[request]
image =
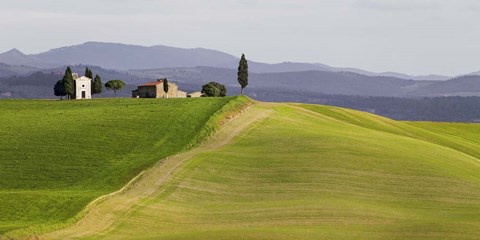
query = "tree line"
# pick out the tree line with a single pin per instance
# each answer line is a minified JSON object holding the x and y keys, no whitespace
{"x":66,"y":85}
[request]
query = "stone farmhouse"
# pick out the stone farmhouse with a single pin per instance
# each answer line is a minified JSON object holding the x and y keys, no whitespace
{"x":155,"y":90}
{"x":83,"y":86}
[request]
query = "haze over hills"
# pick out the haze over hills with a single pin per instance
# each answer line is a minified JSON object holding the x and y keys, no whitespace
{"x":8,"y":70}
{"x":126,"y":57}
{"x":474,"y":73}
{"x":319,"y":82}
{"x":33,"y":76}
{"x":322,"y":82}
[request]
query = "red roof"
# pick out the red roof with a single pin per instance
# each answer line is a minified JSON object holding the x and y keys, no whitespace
{"x":160,"y":81}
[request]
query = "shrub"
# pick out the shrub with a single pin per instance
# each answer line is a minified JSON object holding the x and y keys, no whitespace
{"x":214,"y":89}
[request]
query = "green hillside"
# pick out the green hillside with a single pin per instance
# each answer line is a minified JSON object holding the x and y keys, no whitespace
{"x":296,"y":171}
{"x":57,"y":156}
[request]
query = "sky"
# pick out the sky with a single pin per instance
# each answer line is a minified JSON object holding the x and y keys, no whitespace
{"x":409,"y":36}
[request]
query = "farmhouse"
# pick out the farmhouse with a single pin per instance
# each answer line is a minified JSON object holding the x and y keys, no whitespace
{"x":155,"y":90}
{"x":82,"y":87}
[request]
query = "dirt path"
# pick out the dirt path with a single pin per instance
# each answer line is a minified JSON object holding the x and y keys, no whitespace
{"x":105,"y":211}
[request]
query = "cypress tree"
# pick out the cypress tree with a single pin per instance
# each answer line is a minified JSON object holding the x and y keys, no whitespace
{"x":242,"y":73}
{"x":68,"y":83}
{"x":88,"y":73}
{"x":97,"y":85}
{"x":165,"y":87}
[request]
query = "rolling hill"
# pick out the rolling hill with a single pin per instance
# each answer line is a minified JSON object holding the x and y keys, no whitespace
{"x":296,"y":171}
{"x":57,"y":156}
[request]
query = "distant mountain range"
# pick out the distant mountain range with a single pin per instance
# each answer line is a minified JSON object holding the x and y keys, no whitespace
{"x":129,"y":57}
{"x":390,"y":94}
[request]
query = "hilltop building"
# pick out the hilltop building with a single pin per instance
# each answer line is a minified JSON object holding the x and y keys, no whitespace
{"x":194,"y":95}
{"x":155,"y":90}
{"x":83,"y":87}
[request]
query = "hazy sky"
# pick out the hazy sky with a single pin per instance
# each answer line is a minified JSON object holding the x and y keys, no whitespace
{"x":410,"y":36}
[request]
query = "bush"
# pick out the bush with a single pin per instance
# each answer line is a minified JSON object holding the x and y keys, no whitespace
{"x":214,"y":89}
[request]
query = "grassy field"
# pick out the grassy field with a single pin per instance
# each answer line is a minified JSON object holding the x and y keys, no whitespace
{"x":57,"y":156}
{"x":307,"y":172}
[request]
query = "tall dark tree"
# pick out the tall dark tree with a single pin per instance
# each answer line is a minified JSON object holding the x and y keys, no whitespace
{"x":242,"y":73}
{"x":97,"y":85}
{"x":88,"y":73}
{"x":59,"y":89}
{"x":68,"y":83}
{"x":115,"y":85}
{"x":165,"y":87}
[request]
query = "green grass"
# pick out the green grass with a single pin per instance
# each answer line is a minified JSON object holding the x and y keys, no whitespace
{"x":315,"y":172}
{"x":57,"y":156}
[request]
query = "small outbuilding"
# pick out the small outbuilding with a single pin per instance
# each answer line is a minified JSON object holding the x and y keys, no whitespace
{"x":194,"y":95}
{"x":155,"y":90}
